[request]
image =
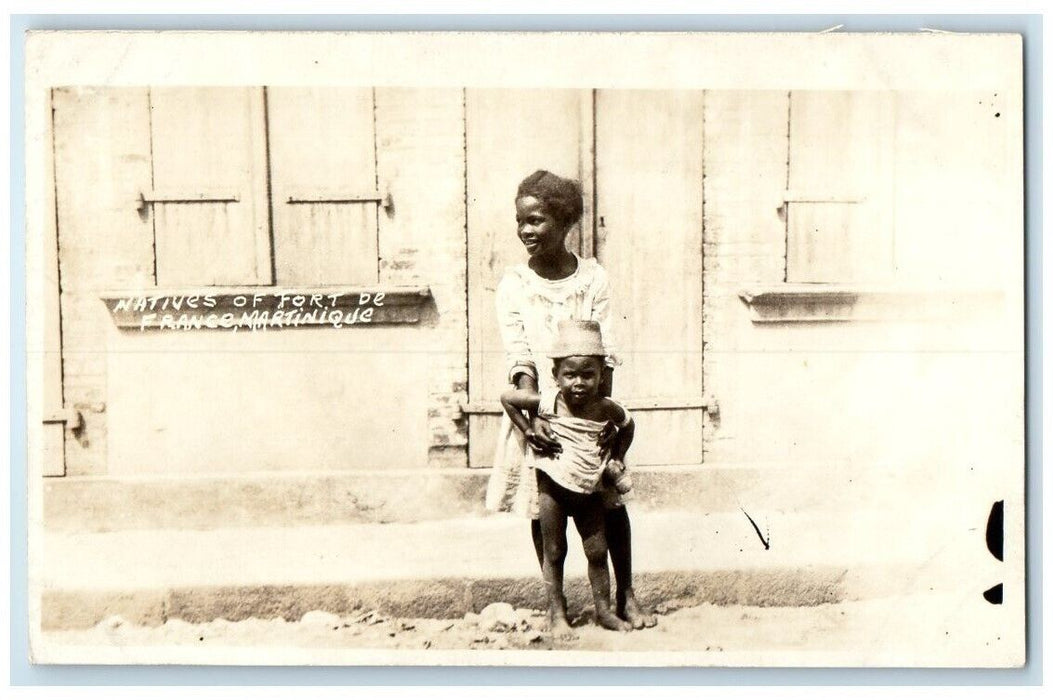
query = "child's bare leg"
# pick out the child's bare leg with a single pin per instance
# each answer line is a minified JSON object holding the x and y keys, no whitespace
{"x":590,"y":524}
{"x":619,"y":542}
{"x":553,"y":523}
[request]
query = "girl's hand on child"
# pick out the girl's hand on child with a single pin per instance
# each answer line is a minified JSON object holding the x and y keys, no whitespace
{"x":617,"y":474}
{"x":542,"y":439}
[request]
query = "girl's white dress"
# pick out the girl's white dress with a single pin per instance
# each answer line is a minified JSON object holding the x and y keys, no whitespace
{"x":529,"y":309}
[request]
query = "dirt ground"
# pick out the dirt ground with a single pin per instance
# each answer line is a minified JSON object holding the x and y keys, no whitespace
{"x":879,"y":627}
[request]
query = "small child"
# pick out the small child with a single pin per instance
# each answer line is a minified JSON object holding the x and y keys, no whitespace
{"x":568,"y":481}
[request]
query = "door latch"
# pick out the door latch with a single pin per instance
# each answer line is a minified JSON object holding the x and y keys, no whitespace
{"x":71,"y":417}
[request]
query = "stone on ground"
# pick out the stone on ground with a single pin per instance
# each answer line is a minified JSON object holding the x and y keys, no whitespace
{"x":498,"y":617}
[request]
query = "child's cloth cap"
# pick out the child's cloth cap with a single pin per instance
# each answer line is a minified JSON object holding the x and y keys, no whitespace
{"x":578,"y":338}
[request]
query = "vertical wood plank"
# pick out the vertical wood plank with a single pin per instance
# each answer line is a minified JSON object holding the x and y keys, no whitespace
{"x":649,"y":174}
{"x":102,"y":163}
{"x":841,"y":147}
{"x":588,"y":173}
{"x":649,"y":194}
{"x":322,"y":143}
{"x":510,"y":134}
{"x":211,"y":138}
{"x":53,"y":462}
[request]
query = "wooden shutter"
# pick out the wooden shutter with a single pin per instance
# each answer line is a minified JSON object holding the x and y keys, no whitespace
{"x":838,"y":200}
{"x":324,"y":185}
{"x":209,"y":190}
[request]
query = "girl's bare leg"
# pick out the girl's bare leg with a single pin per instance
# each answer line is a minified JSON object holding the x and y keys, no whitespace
{"x":590,"y":524}
{"x":619,"y":542}
{"x":554,"y":535}
{"x":539,"y":547}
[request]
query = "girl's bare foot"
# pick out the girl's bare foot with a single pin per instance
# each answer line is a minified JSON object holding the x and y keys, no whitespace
{"x":608,"y":620}
{"x":559,"y":626}
{"x":630,"y":611}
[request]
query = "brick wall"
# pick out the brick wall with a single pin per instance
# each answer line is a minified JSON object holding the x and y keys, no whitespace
{"x":420,"y":147}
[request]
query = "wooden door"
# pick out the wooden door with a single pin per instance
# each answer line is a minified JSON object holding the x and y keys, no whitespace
{"x":649,"y":238}
{"x":639,"y":156}
{"x":509,"y":134}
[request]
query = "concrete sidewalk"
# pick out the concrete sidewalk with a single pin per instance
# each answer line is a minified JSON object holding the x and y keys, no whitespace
{"x":445,"y":568}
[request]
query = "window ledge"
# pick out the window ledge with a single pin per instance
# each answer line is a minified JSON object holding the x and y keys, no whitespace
{"x":265,"y":308}
{"x":829,"y":303}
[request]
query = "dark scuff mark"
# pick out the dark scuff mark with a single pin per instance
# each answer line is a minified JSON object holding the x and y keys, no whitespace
{"x":765,"y":542}
{"x":995,"y":527}
{"x":993,"y":595}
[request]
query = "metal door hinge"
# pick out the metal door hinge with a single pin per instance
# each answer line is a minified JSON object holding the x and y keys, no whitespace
{"x":188,"y":197}
{"x":382,"y":200}
{"x":150,"y":198}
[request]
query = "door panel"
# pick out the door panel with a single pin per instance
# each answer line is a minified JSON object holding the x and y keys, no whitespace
{"x":509,"y":134}
{"x":649,"y":238}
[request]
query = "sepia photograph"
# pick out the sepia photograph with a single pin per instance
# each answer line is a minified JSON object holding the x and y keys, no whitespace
{"x":537,"y":350}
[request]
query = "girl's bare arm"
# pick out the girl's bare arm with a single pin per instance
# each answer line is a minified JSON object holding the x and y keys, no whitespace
{"x":623,"y":438}
{"x":515,"y":401}
{"x":539,"y":434}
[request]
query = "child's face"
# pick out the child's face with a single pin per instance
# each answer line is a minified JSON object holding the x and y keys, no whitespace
{"x":540,"y":233}
{"x":578,"y":379}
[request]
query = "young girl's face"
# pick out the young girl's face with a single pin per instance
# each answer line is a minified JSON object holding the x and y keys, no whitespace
{"x":578,"y":379}
{"x":540,"y":233}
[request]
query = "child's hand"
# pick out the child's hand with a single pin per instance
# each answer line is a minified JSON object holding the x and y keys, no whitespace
{"x":541,"y":438}
{"x":606,"y":438}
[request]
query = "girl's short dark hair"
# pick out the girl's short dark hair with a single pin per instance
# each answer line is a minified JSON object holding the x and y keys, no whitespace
{"x":560,"y":196}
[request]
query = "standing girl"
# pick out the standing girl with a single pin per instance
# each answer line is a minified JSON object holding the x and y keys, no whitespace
{"x":532,"y":298}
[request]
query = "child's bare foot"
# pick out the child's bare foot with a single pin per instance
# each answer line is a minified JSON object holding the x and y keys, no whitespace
{"x":630,"y":611}
{"x":559,"y":626}
{"x":608,"y":620}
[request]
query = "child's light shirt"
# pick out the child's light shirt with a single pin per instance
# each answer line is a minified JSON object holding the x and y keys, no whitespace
{"x":579,"y":467}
